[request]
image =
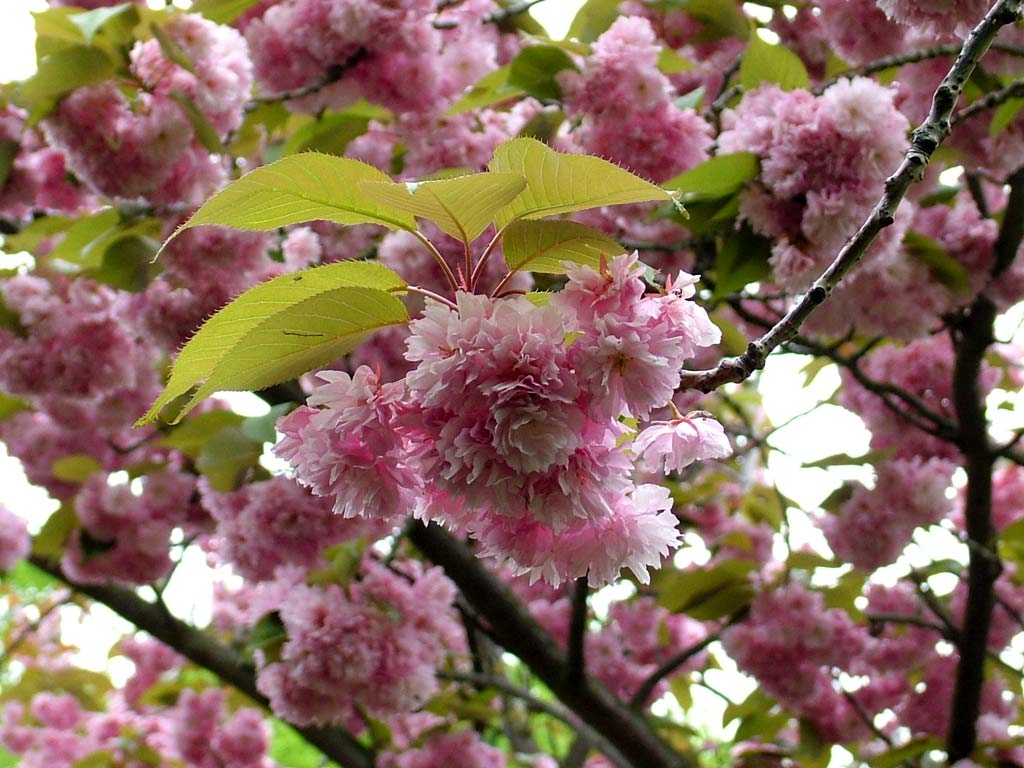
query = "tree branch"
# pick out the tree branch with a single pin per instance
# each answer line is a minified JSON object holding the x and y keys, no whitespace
{"x":577,"y":634}
{"x":513,"y":627}
{"x":926,"y":139}
{"x":643,"y":693}
{"x":204,"y":651}
{"x":972,"y":337}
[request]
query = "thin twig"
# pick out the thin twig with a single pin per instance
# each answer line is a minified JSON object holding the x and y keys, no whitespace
{"x":992,"y":99}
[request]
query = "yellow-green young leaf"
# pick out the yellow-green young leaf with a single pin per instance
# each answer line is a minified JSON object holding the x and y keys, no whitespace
{"x":222,"y":11}
{"x":8,"y":151}
{"x":561,"y":183}
{"x":766,"y":63}
{"x":91,"y":22}
{"x":535,"y":69}
{"x":671,"y":63}
{"x":304,"y":336}
{"x":462,"y":206}
{"x":49,"y":542}
{"x":75,"y":468}
{"x":329,"y":133}
{"x":170,"y":49}
{"x":719,"y":19}
{"x":227,"y":457}
{"x":492,"y":88}
{"x":542,"y":246}
{"x":1004,"y":115}
{"x":943,"y":267}
{"x":206,"y":359}
{"x":190,"y":436}
{"x":82,"y":237}
{"x":593,"y":18}
{"x":59,"y":73}
{"x":11,"y":405}
{"x":205,"y":132}
{"x":721,"y":176}
{"x":300,"y":188}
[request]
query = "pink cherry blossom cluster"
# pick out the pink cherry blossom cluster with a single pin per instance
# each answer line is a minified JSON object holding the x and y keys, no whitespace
{"x":145,"y":146}
{"x":658,"y":140}
{"x":373,"y":646}
{"x":924,"y":369}
{"x":72,"y":341}
{"x":55,"y":729}
{"x":14,"y":539}
{"x":124,"y":535}
{"x":443,"y":750}
{"x":39,"y":179}
{"x":508,"y":426}
{"x":277,"y":522}
{"x":393,"y":52}
{"x":872,"y":528}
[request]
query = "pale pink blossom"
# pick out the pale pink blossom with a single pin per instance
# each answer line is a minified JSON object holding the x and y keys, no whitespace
{"x":671,"y":446}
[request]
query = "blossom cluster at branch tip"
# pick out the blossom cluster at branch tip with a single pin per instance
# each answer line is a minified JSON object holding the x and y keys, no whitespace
{"x":509,"y":425}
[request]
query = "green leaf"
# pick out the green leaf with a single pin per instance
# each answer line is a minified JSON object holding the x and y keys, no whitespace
{"x":721,"y":176}
{"x":76,"y":468}
{"x":297,"y":189}
{"x":343,"y":563}
{"x":190,"y":436}
{"x":38,"y":231}
{"x":492,"y":88}
{"x":708,"y":594}
{"x":283,"y":328}
{"x":671,"y":63}
{"x":88,"y":687}
{"x":592,"y":19}
{"x":719,"y":18}
{"x":1005,"y":114}
{"x":808,"y":561}
{"x":11,"y":405}
{"x":128,"y":263}
{"x":82,"y":237}
{"x":263,"y":429}
{"x":462,"y":206}
{"x":26,"y":577}
{"x":742,"y":259}
{"x":692,"y":99}
{"x":561,"y":183}
{"x":268,"y":634}
{"x":59,"y":73}
{"x":534,"y":70}
{"x":906,"y":754}
{"x":289,"y":750}
{"x":543,"y":126}
{"x":846,"y":460}
{"x":49,"y":542}
{"x":226,"y":458}
{"x":542,"y":246}
{"x":766,"y":63}
{"x":943,"y":267}
{"x":91,"y":22}
{"x":754,"y":703}
{"x":205,"y":132}
{"x":330,"y":133}
{"x":222,"y":11}
{"x":170,"y":49}
{"x":8,"y":151}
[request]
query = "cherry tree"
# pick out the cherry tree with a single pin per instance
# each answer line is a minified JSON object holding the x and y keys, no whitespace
{"x":506,"y":301}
